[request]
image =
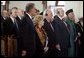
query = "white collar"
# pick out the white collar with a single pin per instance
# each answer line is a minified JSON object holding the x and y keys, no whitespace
{"x":29,"y":16}
{"x":81,"y":23}
{"x":4,"y":18}
{"x":59,"y":17}
{"x":12,"y":18}
{"x":19,"y":17}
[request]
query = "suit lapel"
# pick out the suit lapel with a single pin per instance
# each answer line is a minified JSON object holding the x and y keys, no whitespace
{"x":48,"y":25}
{"x":29,"y":21}
{"x":62,"y":23}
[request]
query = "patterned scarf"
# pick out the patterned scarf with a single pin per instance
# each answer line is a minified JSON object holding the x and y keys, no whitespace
{"x":42,"y":35}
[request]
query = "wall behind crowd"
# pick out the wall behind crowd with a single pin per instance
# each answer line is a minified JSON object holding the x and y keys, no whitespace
{"x":22,"y":4}
{"x":77,"y":6}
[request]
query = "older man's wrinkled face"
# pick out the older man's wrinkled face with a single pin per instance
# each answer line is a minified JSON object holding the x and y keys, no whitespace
{"x":49,"y":12}
{"x":61,"y":12}
{"x":50,"y":15}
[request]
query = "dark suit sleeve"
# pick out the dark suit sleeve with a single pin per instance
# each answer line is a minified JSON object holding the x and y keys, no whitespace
{"x":23,"y":34}
{"x":7,"y":27}
{"x":27,"y":37}
{"x":57,"y":32}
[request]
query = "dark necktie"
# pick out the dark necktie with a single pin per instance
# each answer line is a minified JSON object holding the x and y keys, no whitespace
{"x":15,"y":22}
{"x":51,"y":27}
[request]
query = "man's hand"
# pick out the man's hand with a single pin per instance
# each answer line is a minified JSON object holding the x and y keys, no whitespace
{"x":79,"y":34}
{"x":76,"y":39}
{"x":46,"y":49}
{"x":24,"y":52}
{"x":58,"y":47}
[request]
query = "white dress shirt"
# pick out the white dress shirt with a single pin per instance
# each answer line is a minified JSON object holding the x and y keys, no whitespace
{"x":12,"y":19}
{"x":19,"y":17}
{"x":29,"y":15}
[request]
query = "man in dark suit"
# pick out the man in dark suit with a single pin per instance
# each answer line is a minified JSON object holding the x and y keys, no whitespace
{"x":61,"y":33}
{"x":4,"y":16}
{"x":27,"y":32}
{"x":12,"y":31}
{"x":50,"y":32}
{"x":12,"y":24}
{"x":20,"y":14}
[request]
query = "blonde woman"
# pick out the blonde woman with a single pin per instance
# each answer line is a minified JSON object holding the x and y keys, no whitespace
{"x":41,"y":36}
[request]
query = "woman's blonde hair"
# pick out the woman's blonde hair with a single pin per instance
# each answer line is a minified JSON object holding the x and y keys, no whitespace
{"x":37,"y":19}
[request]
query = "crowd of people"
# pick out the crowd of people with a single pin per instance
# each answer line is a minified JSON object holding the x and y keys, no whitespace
{"x":30,"y":33}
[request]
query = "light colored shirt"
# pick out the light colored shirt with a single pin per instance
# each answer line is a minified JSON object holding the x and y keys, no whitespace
{"x":29,"y":15}
{"x":4,"y":18}
{"x":60,"y":17}
{"x":19,"y":17}
{"x":12,"y":19}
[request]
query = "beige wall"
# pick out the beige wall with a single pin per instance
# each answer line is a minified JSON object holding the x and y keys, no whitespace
{"x":81,"y":8}
{"x":77,"y":7}
{"x":22,"y":4}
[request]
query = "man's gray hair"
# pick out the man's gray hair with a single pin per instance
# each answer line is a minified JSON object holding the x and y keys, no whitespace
{"x":45,"y":12}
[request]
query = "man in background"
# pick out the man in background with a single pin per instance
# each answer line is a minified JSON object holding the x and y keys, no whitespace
{"x":4,"y":16}
{"x":62,"y":34}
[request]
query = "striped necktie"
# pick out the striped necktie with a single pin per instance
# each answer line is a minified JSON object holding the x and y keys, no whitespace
{"x":51,"y":27}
